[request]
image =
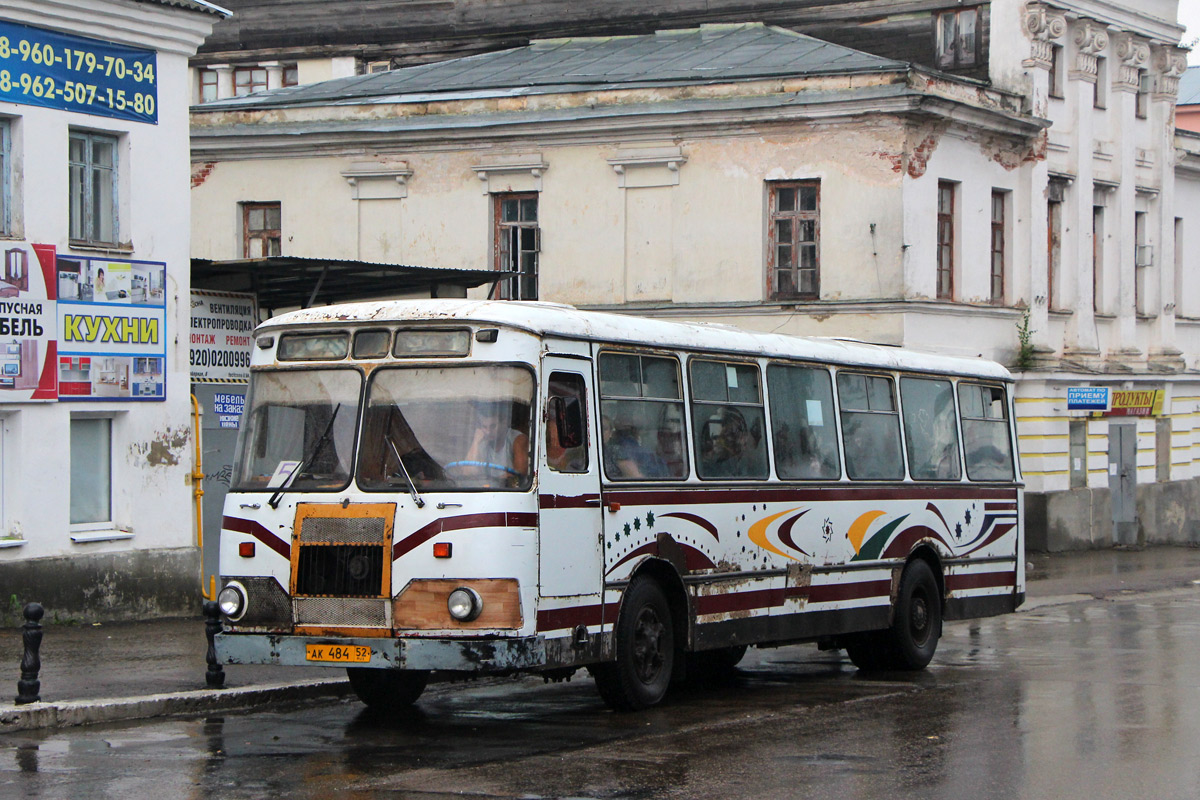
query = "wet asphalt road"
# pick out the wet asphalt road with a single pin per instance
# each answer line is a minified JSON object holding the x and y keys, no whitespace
{"x":1092,"y":699}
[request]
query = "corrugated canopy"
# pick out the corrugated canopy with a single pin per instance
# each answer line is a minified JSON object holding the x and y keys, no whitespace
{"x":709,"y":54}
{"x":288,"y":282}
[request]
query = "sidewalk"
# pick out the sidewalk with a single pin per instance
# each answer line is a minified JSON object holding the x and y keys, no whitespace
{"x":132,"y":670}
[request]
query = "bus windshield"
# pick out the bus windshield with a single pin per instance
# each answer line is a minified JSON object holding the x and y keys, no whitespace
{"x":299,"y":432}
{"x":447,"y":429}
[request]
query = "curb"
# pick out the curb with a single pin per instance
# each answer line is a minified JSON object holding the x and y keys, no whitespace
{"x":86,"y":712}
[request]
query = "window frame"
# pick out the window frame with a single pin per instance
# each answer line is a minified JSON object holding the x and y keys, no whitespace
{"x":516,"y":286}
{"x":207,"y":78}
{"x":86,"y":190}
{"x":266,"y":235}
{"x":697,"y":406}
{"x":831,"y":420}
{"x":999,"y":250}
{"x":797,"y":217}
{"x":843,"y":411}
{"x":252,"y":83}
{"x":946,"y":223}
{"x":911,"y":429}
{"x":93,"y":460}
{"x":950,"y":53}
{"x":967,"y":440}
{"x":681,"y":402}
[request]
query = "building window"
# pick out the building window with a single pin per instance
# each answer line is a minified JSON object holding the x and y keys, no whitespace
{"x":208,"y":85}
{"x":5,"y":180}
{"x":793,"y":240}
{"x":261,"y":237}
{"x":93,"y":186}
{"x":517,"y":241}
{"x":957,"y":44}
{"x":1054,"y":228}
{"x":1143,"y":256}
{"x":1077,"y":444}
{"x":91,"y":473}
{"x":1142,"y":101}
{"x":249,"y":79}
{"x":1097,"y":259}
{"x":945,"y":240}
{"x":999,"y":200}
{"x":1057,"y":81}
{"x":291,"y":75}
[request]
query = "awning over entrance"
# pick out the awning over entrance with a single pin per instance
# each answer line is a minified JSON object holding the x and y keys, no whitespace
{"x":283,"y":282}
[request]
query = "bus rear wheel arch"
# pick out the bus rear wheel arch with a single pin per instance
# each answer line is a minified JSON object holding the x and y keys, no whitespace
{"x":911,"y":640}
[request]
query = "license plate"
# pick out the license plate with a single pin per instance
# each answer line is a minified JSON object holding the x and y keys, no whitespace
{"x":340,"y":653}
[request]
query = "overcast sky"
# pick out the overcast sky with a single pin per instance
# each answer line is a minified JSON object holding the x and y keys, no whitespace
{"x":1189,"y":15}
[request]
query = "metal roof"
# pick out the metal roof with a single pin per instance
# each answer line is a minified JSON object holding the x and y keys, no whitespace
{"x":1189,"y":87}
{"x":708,"y":54}
{"x":192,"y":5}
{"x":291,"y":282}
{"x":570,"y":322}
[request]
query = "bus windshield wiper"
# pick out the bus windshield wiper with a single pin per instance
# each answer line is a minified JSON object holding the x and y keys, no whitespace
{"x":306,"y":461}
{"x":412,"y":487}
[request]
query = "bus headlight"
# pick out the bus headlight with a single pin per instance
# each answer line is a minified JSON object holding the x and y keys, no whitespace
{"x":232,"y":600}
{"x":464,"y":604}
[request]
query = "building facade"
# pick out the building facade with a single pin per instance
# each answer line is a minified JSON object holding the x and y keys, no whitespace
{"x":96,"y":439}
{"x":750,"y":175}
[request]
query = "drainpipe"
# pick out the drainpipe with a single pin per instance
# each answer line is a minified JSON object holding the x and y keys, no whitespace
{"x":197,"y":494}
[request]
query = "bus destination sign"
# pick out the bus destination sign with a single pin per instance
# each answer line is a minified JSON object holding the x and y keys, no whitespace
{"x":73,"y":73}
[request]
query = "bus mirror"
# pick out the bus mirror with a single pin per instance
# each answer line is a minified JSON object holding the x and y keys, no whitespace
{"x":567,"y":414}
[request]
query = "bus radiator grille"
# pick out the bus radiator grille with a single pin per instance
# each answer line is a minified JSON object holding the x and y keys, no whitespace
{"x":343,"y":530}
{"x":341,"y":612}
{"x":341,"y":570}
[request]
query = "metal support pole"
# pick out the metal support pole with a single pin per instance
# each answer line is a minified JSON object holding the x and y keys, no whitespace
{"x":29,"y":687}
{"x":215,"y":677}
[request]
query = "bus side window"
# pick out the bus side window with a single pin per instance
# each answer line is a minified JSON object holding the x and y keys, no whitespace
{"x":930,"y":429}
{"x":802,"y":426}
{"x":641,"y":417}
{"x":727,"y":419}
{"x":870,"y":427}
{"x":985,"y":432}
{"x":566,"y":423}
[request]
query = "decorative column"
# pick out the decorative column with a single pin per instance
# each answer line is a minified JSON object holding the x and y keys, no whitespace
{"x":274,"y":73}
{"x":1169,"y":63}
{"x":1043,"y":27}
{"x":1089,"y":39}
{"x":224,"y":80}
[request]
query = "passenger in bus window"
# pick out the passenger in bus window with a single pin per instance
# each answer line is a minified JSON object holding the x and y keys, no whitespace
{"x":499,"y":451}
{"x":731,"y":447}
{"x":625,"y":456}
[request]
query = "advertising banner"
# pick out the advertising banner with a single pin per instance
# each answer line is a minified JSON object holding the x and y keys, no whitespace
{"x":112,"y":329}
{"x":73,"y":73}
{"x":1136,"y":403}
{"x":220,"y":337}
{"x":28,"y":332}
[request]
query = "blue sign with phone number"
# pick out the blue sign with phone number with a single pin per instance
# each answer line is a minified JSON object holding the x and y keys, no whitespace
{"x":72,"y":73}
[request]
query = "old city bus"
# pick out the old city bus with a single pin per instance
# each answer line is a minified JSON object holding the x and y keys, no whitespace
{"x":455,"y":487}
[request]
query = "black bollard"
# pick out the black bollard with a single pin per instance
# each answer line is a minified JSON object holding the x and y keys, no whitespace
{"x":29,"y":687}
{"x":215,"y":677}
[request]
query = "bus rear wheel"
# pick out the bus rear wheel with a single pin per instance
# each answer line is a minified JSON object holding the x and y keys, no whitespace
{"x":387,"y":689}
{"x":645,"y":644}
{"x":912,"y":639}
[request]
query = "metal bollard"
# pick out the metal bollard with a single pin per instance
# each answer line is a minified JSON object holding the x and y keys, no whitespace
{"x":29,"y":687}
{"x":215,"y":677}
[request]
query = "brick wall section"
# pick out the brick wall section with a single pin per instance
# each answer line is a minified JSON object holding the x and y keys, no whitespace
{"x":200,"y":172}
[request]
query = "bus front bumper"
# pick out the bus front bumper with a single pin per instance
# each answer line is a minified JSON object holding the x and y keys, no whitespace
{"x":481,"y":656}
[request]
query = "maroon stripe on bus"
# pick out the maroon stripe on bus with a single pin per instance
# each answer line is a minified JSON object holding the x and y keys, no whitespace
{"x":697,"y":520}
{"x":902,"y":545}
{"x":697,"y":495}
{"x":835,"y":592}
{"x":555,"y":619}
{"x":981,"y":580}
{"x":739,"y":601}
{"x":561,"y":501}
{"x":495,"y":519}
{"x":998,"y":531}
{"x":252,"y":528}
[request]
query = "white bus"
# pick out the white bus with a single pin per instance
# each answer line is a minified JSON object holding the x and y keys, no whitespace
{"x":455,"y":487}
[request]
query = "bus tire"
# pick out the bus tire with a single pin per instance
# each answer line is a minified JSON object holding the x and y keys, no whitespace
{"x":912,"y":639}
{"x":387,"y":689}
{"x":645,"y":645}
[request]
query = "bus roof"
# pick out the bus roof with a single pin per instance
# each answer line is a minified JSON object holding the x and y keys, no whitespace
{"x":553,"y":319}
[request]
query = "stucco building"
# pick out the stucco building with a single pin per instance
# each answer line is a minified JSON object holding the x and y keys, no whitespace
{"x":1030,"y":178}
{"x":96,"y":439}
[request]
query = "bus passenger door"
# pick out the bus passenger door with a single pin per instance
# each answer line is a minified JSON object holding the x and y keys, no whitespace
{"x":569,"y":548}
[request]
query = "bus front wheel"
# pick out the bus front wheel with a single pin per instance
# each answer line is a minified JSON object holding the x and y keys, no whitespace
{"x":387,"y":689}
{"x":911,"y":640}
{"x":645,"y":644}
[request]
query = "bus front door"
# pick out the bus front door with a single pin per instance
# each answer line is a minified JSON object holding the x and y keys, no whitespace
{"x":569,"y":549}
